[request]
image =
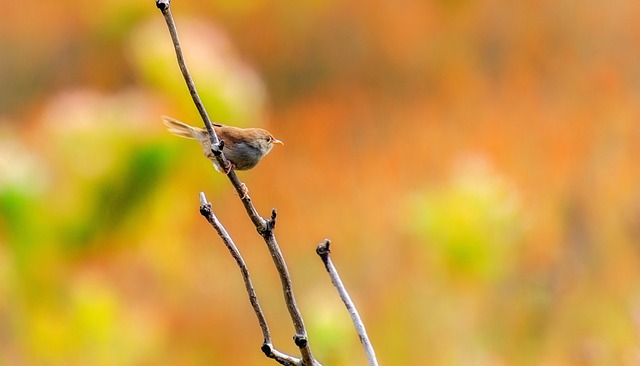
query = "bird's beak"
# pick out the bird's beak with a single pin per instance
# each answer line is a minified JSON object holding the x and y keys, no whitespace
{"x":276,"y":141}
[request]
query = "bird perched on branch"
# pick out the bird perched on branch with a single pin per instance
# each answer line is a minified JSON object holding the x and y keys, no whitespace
{"x":243,"y":147}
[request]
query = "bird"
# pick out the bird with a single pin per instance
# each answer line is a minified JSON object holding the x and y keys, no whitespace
{"x":243,"y":147}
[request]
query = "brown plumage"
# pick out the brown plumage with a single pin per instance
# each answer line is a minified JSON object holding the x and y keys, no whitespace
{"x":243,"y":147}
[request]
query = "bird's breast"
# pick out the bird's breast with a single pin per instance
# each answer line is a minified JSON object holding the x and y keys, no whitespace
{"x":244,"y":156}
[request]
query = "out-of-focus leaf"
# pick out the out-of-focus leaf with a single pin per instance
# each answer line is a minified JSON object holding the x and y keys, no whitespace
{"x":123,"y":192}
{"x":469,"y":227}
{"x":230,"y":89}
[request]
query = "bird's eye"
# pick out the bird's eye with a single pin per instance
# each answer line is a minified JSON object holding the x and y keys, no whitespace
{"x":269,"y":138}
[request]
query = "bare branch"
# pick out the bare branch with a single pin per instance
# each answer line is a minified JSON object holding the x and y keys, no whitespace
{"x":207,"y":211}
{"x":164,"y":6}
{"x":267,"y":347}
{"x":300,"y":338}
{"x":323,"y":251}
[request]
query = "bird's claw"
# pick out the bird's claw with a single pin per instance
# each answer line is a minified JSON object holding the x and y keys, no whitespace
{"x":245,"y":191}
{"x":229,"y":167}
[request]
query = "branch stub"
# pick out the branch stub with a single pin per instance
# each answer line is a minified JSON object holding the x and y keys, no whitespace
{"x":267,"y":350}
{"x":300,"y":340}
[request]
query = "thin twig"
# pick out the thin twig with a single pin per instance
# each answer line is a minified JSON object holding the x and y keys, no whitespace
{"x":164,"y":6}
{"x":267,"y":346}
{"x":207,"y":211}
{"x":323,"y":251}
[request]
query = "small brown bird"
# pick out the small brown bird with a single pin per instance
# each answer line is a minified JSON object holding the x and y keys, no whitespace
{"x":243,"y":147}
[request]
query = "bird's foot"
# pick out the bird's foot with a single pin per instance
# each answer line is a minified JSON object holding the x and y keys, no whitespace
{"x":245,"y":191}
{"x":228,"y":168}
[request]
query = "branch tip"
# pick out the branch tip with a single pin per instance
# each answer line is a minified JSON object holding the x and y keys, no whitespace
{"x":203,"y":199}
{"x":163,"y":4}
{"x":323,"y":249}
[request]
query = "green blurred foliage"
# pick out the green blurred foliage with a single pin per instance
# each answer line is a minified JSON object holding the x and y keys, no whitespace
{"x":474,"y":163}
{"x":471,"y":226}
{"x":229,"y":88}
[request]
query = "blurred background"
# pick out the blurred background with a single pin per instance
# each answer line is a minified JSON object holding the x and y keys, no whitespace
{"x":475,"y":163}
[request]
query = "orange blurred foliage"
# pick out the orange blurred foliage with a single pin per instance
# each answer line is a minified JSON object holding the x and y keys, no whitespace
{"x":474,"y":163}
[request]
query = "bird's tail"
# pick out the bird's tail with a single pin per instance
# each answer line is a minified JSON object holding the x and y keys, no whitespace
{"x":182,"y":129}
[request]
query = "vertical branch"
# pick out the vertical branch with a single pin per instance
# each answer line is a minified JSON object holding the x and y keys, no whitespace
{"x":323,"y":251}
